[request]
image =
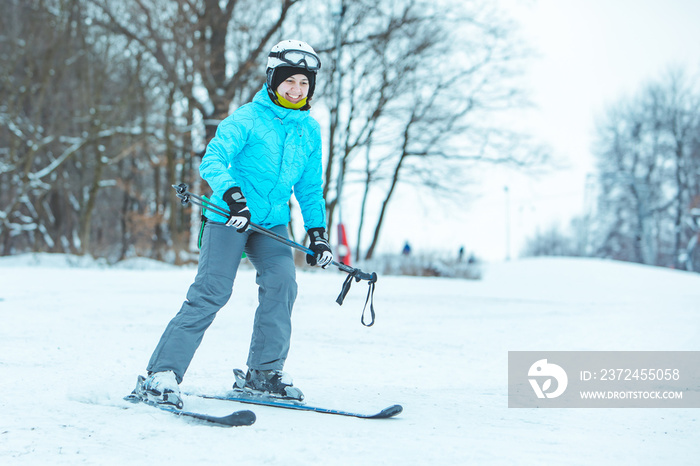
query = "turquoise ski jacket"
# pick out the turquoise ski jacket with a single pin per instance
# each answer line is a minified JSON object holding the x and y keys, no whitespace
{"x":269,"y":152}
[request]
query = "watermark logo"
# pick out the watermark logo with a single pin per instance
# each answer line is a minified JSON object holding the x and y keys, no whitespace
{"x":547,"y":371}
{"x":603,"y":379}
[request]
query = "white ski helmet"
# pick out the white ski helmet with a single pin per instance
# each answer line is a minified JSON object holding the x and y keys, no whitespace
{"x":292,"y":54}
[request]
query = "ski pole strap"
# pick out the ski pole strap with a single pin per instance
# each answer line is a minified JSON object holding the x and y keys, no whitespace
{"x":355,"y":273}
{"x":370,"y":299}
{"x":201,"y":231}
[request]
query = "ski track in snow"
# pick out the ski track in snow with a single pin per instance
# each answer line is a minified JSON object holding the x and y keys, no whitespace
{"x":75,"y":334}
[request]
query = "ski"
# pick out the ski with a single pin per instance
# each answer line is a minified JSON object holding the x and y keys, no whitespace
{"x":385,"y":413}
{"x":238,"y":418}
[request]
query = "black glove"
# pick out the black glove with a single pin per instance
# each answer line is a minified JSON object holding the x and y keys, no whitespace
{"x":319,"y":245}
{"x":240,"y":215}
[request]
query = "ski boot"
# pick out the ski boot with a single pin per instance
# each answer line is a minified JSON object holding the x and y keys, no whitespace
{"x":267,"y":383}
{"x":161,"y":388}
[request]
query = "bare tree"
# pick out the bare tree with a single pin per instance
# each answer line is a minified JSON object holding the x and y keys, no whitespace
{"x":647,"y":154}
{"x":210,"y":53}
{"x":416,"y":96}
{"x":210,"y":50}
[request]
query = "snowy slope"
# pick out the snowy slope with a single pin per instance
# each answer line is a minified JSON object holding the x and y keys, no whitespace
{"x":74,"y":334}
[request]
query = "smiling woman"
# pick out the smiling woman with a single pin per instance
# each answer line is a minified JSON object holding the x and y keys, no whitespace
{"x":293,"y":91}
{"x":295,"y":60}
{"x":262,"y":152}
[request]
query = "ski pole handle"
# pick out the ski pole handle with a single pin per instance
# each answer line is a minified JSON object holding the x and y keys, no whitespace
{"x":359,"y":274}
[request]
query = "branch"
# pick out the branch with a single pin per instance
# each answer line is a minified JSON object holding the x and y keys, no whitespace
{"x":76,"y":146}
{"x":156,"y":52}
{"x":251,"y":60}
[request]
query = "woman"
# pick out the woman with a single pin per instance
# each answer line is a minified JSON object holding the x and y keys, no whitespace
{"x":262,"y":152}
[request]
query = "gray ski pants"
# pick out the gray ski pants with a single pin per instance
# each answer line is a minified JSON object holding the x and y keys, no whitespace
{"x":219,"y":258}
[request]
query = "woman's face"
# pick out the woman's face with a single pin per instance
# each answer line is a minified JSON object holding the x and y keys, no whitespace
{"x":294,"y":88}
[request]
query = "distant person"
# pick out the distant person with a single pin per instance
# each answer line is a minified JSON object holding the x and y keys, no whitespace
{"x":406,"y":249}
{"x":460,"y":254}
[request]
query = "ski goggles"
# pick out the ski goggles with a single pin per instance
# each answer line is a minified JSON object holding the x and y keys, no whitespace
{"x":298,"y":58}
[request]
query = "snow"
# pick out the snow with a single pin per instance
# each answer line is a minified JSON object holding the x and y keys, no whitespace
{"x":75,"y":334}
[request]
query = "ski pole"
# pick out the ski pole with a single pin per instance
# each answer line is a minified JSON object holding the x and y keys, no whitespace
{"x":187,"y":197}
